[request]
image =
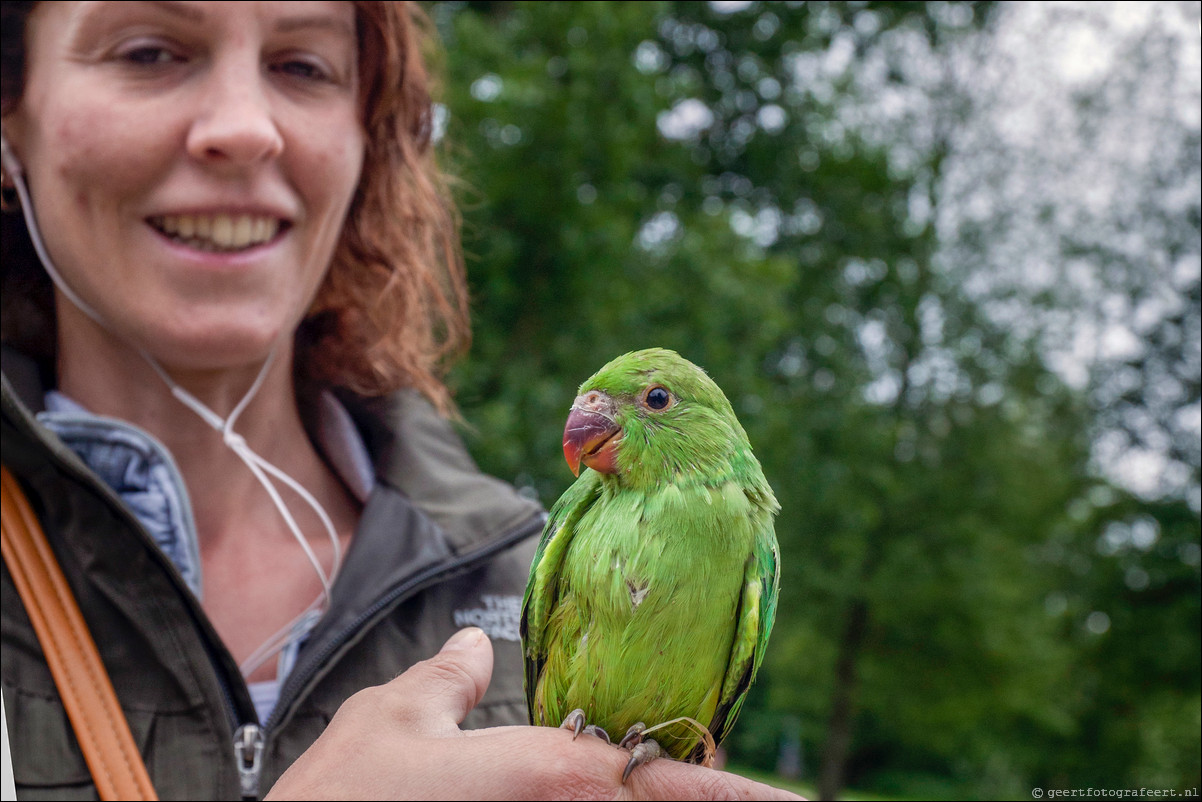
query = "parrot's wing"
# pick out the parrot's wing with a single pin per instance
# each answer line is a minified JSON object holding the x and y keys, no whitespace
{"x":542,"y":589}
{"x":753,"y":625}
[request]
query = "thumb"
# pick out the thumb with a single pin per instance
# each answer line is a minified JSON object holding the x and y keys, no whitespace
{"x":438,"y":693}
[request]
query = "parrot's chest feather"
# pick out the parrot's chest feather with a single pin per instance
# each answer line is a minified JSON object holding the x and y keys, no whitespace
{"x":626,"y":584}
{"x":639,"y":555}
{"x":636,"y":587}
{"x":638,"y":592}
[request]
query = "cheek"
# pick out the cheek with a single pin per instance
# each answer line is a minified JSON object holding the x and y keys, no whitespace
{"x":69,"y":182}
{"x":331,"y":180}
{"x":339,"y":162}
{"x":330,"y":177}
{"x":346,"y":168}
{"x":97,"y":160}
{"x":79,"y":161}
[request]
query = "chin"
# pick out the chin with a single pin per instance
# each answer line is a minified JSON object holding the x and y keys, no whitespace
{"x":227,"y":350}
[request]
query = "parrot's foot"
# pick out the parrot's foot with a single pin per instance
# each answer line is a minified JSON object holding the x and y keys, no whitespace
{"x":633,"y":736}
{"x":575,"y":724}
{"x":641,"y":751}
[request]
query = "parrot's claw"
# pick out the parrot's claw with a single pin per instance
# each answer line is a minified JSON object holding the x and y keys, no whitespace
{"x":574,"y":723}
{"x":633,"y":736}
{"x":593,"y":729}
{"x":642,"y":752}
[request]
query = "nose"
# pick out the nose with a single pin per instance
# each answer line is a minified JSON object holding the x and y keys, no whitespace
{"x":235,"y":125}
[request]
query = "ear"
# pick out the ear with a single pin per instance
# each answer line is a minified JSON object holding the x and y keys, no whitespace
{"x":10,"y":172}
{"x":14,"y":129}
{"x":12,"y":167}
{"x":8,"y":157}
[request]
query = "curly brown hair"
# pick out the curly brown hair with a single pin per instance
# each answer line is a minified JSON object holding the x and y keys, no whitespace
{"x":392,"y":311}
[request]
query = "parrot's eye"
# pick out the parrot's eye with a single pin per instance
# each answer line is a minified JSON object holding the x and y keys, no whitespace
{"x":657,"y":398}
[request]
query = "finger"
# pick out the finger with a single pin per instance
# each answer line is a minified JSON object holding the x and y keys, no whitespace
{"x":545,"y":763}
{"x":435,"y":695}
{"x":669,"y":779}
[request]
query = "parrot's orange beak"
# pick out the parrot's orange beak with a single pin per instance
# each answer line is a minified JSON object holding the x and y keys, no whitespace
{"x":590,"y":435}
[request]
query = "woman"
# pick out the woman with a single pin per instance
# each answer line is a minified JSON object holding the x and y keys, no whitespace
{"x":222,"y":393}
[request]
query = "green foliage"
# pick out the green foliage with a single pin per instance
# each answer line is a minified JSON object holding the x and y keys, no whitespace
{"x":946,"y":548}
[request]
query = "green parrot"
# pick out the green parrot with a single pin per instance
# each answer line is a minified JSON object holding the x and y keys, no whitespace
{"x":654,"y":587}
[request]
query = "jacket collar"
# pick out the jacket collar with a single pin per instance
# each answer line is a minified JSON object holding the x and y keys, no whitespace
{"x":414,"y":450}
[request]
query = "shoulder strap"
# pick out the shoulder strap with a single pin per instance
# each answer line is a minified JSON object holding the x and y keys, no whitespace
{"x":84,"y":685}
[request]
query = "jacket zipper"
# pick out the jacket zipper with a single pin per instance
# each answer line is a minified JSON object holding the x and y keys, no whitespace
{"x":249,"y":741}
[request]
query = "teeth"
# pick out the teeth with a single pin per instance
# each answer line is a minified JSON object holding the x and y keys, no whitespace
{"x":223,"y":231}
{"x":218,"y":231}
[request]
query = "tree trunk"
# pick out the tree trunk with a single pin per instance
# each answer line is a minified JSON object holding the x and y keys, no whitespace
{"x":833,"y":770}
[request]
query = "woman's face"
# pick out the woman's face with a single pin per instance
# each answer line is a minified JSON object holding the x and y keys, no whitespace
{"x":191,"y":165}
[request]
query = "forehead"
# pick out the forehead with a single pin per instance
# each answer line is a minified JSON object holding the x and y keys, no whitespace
{"x":75,"y":17}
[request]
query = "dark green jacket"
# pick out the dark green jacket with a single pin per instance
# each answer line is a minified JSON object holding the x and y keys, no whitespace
{"x":439,"y":546}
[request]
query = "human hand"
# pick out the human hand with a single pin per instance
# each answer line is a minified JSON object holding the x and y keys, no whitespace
{"x":402,"y":741}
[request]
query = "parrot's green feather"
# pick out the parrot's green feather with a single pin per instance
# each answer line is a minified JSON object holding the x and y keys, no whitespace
{"x":654,"y":588}
{"x":542,"y":588}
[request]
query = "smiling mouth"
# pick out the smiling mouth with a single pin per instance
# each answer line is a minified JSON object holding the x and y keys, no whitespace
{"x":222,"y":233}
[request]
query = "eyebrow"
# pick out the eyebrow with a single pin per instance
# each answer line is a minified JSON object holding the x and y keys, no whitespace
{"x":179,"y":9}
{"x":284,"y":25}
{"x":288,"y":24}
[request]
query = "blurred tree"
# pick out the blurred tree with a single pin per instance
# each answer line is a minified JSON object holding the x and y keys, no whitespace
{"x":758,"y":186}
{"x":1074,"y":211}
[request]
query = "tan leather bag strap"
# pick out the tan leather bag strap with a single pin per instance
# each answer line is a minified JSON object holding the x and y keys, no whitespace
{"x":84,"y":685}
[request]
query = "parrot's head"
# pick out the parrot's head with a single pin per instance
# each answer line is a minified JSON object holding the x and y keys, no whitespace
{"x":650,"y":416}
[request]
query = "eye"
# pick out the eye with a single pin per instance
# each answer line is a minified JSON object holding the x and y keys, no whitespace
{"x":305,"y":70}
{"x":657,"y":398}
{"x":150,"y":55}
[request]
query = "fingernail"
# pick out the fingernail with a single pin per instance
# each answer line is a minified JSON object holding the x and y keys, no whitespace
{"x":464,"y":639}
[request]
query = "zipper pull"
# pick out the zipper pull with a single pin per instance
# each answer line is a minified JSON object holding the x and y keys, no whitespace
{"x":248,"y":755}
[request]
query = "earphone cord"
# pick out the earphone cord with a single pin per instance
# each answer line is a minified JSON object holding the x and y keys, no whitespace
{"x":259,"y":467}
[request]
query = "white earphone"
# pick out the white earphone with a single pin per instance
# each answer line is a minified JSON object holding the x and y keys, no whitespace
{"x":9,"y":159}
